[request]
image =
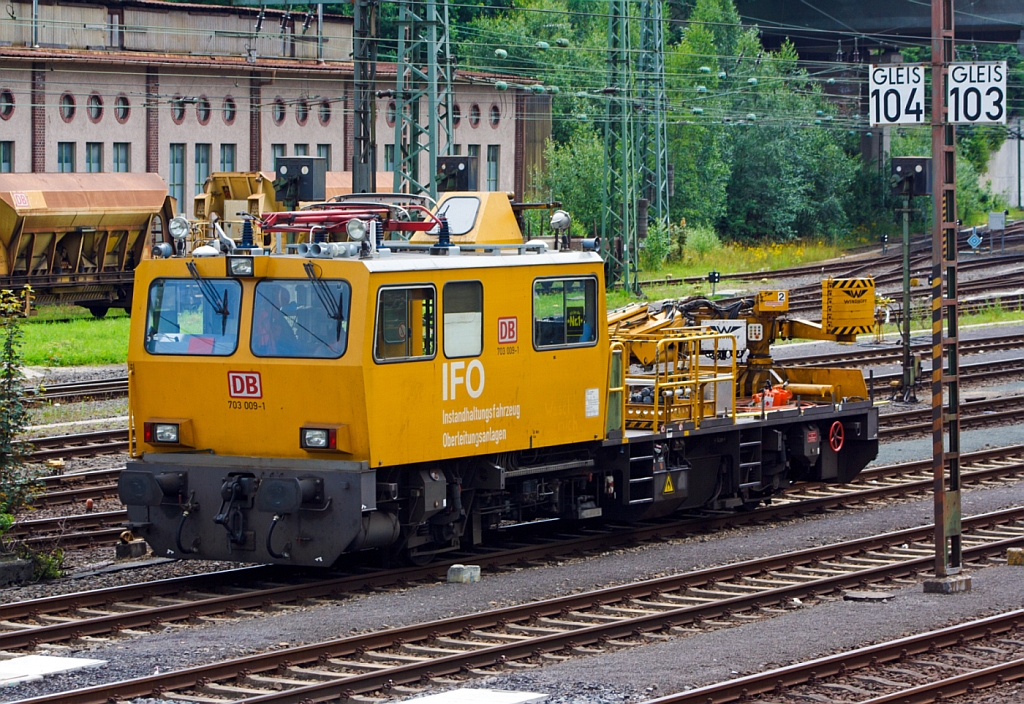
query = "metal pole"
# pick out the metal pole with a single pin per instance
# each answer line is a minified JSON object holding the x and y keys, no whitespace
{"x":945,"y":352}
{"x":908,"y":371}
{"x":35,"y":29}
{"x":320,"y":33}
{"x":1020,"y":134}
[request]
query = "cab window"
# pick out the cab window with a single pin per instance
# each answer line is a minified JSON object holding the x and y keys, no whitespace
{"x":463,"y":319}
{"x":300,"y":318}
{"x":564,"y":312}
{"x":460,"y":212}
{"x":189,"y":318}
{"x":406,"y":327}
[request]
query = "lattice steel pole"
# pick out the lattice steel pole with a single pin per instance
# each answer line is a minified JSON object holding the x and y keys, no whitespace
{"x":652,"y":127}
{"x":945,"y":352}
{"x":618,"y":212}
{"x":422,"y":90}
{"x":364,"y":58}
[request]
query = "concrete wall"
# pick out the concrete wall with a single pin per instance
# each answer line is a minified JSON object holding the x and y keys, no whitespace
{"x":1004,"y":168}
{"x":107,"y":85}
{"x":17,"y":128}
{"x":292,"y":92}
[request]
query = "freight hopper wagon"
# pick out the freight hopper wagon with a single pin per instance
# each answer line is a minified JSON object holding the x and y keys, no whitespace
{"x":77,"y":238}
{"x":358,"y":392}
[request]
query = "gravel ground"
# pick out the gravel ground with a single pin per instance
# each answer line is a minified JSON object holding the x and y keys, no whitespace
{"x":65,"y":375}
{"x":828,"y":627}
{"x":853,"y":624}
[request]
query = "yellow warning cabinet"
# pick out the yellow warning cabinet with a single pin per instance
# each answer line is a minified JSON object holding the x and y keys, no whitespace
{"x":848,"y":306}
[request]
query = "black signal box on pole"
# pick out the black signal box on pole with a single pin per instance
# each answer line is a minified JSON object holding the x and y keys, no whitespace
{"x":915,"y":169}
{"x":453,"y":173}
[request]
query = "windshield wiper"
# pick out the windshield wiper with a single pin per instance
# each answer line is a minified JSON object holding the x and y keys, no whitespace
{"x":210,"y":294}
{"x":323,"y":292}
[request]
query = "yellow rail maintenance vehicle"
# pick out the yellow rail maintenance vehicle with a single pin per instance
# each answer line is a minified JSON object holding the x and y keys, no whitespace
{"x":357,"y":392}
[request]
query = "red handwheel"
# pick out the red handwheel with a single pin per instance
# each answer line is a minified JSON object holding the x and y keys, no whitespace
{"x":836,"y":435}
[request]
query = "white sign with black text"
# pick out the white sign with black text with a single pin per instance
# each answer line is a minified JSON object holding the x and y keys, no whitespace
{"x":736,"y":328}
{"x":896,"y":94}
{"x":976,"y":93}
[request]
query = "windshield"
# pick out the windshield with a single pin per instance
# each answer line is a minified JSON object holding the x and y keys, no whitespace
{"x":181,"y":320}
{"x":291,"y":318}
{"x":461,"y":213}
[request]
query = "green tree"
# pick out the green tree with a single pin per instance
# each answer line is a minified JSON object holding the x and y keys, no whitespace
{"x":697,"y":149}
{"x":575,"y":176}
{"x":790,"y":169}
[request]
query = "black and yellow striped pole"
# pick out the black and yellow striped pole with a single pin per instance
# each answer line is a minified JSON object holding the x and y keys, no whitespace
{"x":945,"y":352}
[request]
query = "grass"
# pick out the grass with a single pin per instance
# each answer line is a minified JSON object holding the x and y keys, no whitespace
{"x":728,"y":259}
{"x":80,"y":342}
{"x":47,"y":413}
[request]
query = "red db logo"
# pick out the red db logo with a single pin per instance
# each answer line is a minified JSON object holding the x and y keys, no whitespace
{"x":507,"y":331}
{"x":244,"y":385}
{"x":20,"y":200}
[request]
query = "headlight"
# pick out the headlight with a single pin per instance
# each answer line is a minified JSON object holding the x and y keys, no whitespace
{"x":356,"y":230}
{"x":166,"y":432}
{"x":240,"y":266}
{"x":179,"y":228}
{"x":161,"y":432}
{"x":317,"y":438}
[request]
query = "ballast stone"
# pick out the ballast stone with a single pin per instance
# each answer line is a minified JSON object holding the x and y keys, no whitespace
{"x":463,"y":574}
{"x":1015,"y":556}
{"x":471,"y":695}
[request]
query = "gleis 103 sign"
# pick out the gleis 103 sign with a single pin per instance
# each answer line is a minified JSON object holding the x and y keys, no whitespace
{"x":896,"y":95}
{"x":976,"y":93}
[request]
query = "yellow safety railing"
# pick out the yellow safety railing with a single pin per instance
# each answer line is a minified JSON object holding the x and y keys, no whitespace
{"x":692,"y":377}
{"x":616,"y":403}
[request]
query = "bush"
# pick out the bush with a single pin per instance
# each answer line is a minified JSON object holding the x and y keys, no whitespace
{"x":655,"y":248}
{"x":46,"y":564}
{"x":701,"y":241}
{"x":15,"y":487}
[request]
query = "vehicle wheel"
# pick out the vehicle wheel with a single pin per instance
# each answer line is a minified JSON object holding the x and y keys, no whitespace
{"x":98,"y":311}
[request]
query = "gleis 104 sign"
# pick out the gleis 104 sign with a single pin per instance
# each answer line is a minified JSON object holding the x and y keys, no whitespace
{"x":896,"y":95}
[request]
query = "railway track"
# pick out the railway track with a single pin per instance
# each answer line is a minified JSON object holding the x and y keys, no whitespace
{"x":100,"y":388}
{"x":973,"y":414}
{"x":63,"y":489}
{"x":87,"y":530}
{"x":920,"y":249}
{"x":979,"y":371}
{"x":929,"y":667}
{"x":893,"y":353}
{"x":142,"y":606}
{"x":91,"y":444}
{"x":407,"y":659}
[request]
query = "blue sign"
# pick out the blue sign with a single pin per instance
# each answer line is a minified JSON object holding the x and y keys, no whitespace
{"x":974,"y":240}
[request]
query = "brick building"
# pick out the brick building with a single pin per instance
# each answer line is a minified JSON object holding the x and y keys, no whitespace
{"x":184,"y":90}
